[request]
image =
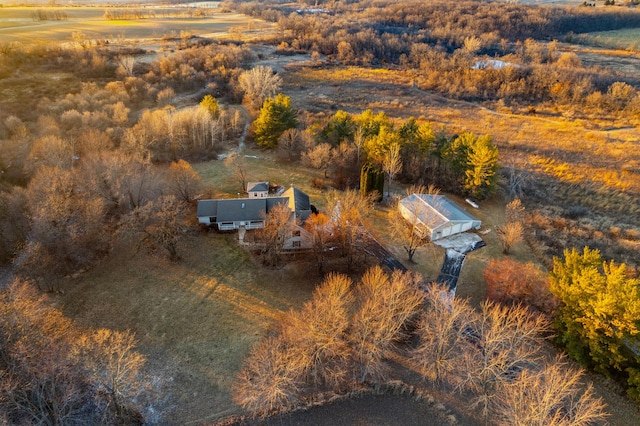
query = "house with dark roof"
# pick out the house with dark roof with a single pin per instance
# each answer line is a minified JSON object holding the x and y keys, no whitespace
{"x":229,"y":214}
{"x":436,"y":215}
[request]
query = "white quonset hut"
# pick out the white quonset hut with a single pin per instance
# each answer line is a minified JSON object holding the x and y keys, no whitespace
{"x":436,"y":215}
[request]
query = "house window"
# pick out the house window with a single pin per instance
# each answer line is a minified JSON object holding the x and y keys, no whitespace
{"x":296,"y":233}
{"x":296,"y":243}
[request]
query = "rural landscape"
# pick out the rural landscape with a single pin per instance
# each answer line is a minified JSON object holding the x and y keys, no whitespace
{"x":241,"y":212}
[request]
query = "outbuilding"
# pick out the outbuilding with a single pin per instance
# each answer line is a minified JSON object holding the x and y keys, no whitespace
{"x":436,"y":215}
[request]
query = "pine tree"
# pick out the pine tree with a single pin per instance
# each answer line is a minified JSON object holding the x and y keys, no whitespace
{"x":600,"y":306}
{"x":276,"y":116}
{"x":210,"y":104}
{"x":482,"y":163}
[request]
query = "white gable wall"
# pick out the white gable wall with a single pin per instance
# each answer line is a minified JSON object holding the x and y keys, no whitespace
{"x":441,"y":228}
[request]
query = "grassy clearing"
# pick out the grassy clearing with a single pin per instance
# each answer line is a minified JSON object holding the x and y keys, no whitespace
{"x":626,"y":39}
{"x":195,"y":319}
{"x":198,"y":318}
{"x":262,"y":165}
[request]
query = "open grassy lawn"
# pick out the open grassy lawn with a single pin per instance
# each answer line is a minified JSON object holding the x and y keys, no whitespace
{"x":195,"y":319}
{"x":17,"y":24}
{"x":262,"y":166}
{"x":626,"y":39}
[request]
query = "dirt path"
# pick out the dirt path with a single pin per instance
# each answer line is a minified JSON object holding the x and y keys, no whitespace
{"x":247,"y":123}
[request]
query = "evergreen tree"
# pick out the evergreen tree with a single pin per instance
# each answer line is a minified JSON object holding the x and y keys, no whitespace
{"x":482,"y":164}
{"x":276,"y":116}
{"x":474,"y":162}
{"x":339,"y":127}
{"x":371,"y":179}
{"x":598,"y":317}
{"x":210,"y":104}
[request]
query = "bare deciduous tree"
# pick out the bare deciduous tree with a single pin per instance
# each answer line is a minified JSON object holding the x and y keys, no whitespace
{"x":43,"y":387}
{"x":279,"y":226}
{"x":269,"y":380}
{"x":50,"y":151}
{"x":443,"y":333}
{"x":515,"y":211}
{"x":317,"y":227}
{"x":349,"y":211}
{"x":317,"y":334}
{"x":290,"y":144}
{"x":183,"y":180}
{"x":359,"y":139}
{"x":125,"y":65}
{"x":506,"y":340}
{"x":510,"y":234}
{"x":410,"y":232}
{"x":14,"y":222}
{"x":392,"y":163}
{"x":54,"y":373}
{"x":122,"y":180}
{"x":515,"y":180}
{"x":67,"y":226}
{"x":344,"y":165}
{"x":161,"y":223}
{"x":114,"y":365}
{"x":553,"y":395}
{"x":259,"y":83}
{"x":384,"y":306}
{"x":318,"y":157}
{"x":238,"y":165}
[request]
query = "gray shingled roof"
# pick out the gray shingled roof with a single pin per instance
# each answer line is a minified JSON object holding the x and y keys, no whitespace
{"x":298,"y":200}
{"x":247,"y":209}
{"x":258,"y":187}
{"x":207,"y":208}
{"x":235,"y":209}
{"x":272,"y":201}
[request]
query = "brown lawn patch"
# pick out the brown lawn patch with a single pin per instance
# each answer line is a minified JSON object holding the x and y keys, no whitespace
{"x":195,"y":319}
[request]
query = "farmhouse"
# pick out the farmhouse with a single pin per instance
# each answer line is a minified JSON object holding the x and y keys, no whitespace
{"x":436,"y":215}
{"x":249,"y":213}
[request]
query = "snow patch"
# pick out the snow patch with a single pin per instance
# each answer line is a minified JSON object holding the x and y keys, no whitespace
{"x":496,"y":64}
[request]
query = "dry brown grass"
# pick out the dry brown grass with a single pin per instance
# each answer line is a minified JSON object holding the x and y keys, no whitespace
{"x":590,"y":161}
{"x":195,"y":319}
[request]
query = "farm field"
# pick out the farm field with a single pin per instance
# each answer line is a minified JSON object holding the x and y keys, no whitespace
{"x":17,"y":25}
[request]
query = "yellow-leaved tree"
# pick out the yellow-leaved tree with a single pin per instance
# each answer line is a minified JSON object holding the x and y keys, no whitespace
{"x":598,"y":317}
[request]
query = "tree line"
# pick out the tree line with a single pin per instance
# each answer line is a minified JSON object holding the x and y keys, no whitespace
{"x":84,"y":171}
{"x":54,"y":372}
{"x":442,"y":43}
{"x":343,"y":338}
{"x":408,"y":150}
